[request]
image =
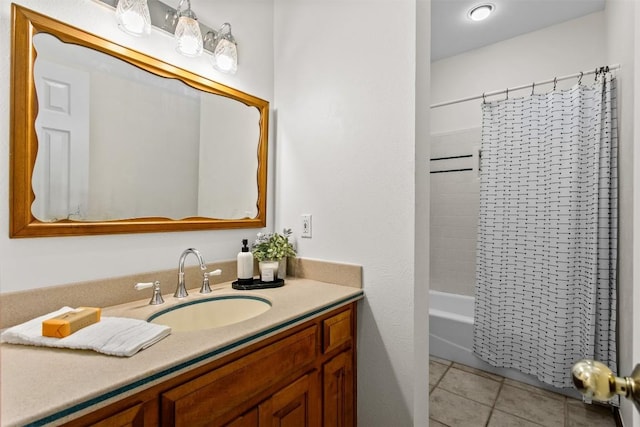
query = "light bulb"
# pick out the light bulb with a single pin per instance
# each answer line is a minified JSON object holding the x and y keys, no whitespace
{"x":226,"y":56}
{"x":481,"y":12}
{"x":188,"y":36}
{"x":133,"y":17}
{"x":225,"y":52}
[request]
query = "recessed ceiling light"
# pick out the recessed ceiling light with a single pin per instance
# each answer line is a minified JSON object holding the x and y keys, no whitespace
{"x":480,"y":12}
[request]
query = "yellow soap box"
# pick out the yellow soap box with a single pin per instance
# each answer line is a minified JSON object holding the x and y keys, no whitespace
{"x":69,"y":322}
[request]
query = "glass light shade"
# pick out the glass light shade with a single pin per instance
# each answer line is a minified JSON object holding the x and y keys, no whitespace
{"x":188,"y":35}
{"x":133,"y":17}
{"x":225,"y":53}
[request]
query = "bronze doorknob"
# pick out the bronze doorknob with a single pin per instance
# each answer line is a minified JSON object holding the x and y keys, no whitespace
{"x":595,"y":380}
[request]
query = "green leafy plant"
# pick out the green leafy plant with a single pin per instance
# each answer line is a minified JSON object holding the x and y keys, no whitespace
{"x":273,"y":246}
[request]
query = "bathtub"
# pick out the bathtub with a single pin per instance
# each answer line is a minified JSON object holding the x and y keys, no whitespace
{"x":451,"y":338}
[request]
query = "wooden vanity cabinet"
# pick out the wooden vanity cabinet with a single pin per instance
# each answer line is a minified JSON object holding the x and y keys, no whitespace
{"x":304,"y":376}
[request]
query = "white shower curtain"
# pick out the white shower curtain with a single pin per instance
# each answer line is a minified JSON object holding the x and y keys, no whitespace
{"x":547,"y":235}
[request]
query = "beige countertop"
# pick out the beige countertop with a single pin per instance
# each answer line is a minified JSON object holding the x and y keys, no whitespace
{"x":41,"y":386}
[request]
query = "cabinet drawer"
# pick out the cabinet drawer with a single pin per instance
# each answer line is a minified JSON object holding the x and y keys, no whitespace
{"x":336,"y":330}
{"x":204,"y":400}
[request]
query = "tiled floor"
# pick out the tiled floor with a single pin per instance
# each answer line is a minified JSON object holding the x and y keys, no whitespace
{"x":461,"y":396}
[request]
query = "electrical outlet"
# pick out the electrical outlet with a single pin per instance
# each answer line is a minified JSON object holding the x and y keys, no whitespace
{"x":306,"y":226}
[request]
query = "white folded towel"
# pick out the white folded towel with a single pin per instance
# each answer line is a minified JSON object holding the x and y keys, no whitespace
{"x":115,"y":336}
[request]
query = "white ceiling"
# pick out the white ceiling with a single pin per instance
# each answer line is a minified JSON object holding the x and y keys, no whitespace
{"x":453,"y":33}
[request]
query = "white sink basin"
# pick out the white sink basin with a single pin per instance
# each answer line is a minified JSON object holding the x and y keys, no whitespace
{"x":210,"y":313}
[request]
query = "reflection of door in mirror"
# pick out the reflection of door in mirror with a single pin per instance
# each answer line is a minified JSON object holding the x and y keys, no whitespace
{"x":158,"y":148}
{"x":61,"y":172}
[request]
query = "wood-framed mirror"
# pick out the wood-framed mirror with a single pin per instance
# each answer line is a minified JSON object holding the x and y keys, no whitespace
{"x":183,"y":153}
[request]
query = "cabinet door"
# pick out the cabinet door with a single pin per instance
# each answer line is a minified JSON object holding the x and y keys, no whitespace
{"x":248,"y":419}
{"x":296,"y":405}
{"x":133,"y":417}
{"x":338,"y":390}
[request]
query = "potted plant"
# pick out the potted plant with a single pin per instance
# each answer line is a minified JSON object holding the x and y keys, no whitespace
{"x":271,"y":250}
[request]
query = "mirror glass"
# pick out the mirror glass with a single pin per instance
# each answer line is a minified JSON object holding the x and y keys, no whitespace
{"x":109,"y":140}
{"x":118,"y":142}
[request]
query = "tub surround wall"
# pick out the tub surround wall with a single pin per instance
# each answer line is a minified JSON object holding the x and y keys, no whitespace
{"x":18,"y":307}
{"x":455,"y":201}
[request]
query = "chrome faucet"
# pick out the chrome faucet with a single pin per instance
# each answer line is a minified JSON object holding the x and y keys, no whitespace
{"x":181,"y":290}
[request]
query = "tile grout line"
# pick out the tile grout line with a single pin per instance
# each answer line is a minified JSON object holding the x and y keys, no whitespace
{"x":438,"y":383}
{"x":542,"y":395}
{"x":493,"y":406}
{"x":495,"y":400}
{"x":501,"y":382}
{"x":443,"y":374}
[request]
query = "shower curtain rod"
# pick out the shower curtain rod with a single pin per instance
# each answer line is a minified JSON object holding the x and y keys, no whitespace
{"x":531,"y":85}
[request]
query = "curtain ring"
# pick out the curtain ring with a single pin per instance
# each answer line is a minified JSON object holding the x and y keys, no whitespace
{"x":507,"y":93}
{"x":533,"y":88}
{"x":555,"y":82}
{"x":596,"y":75}
{"x":580,"y":78}
{"x":484,"y":100}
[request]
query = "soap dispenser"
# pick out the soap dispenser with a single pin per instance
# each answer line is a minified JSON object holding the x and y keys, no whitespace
{"x":245,"y":265}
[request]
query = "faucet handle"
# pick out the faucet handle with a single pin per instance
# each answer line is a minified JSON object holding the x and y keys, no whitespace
{"x":156,"y":298}
{"x":206,"y":288}
{"x":142,"y":285}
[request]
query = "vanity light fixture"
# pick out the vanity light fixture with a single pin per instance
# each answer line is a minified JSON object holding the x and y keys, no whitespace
{"x":225,"y":50}
{"x":136,"y":17}
{"x":481,"y":12}
{"x":133,"y":17}
{"x":188,"y":35}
